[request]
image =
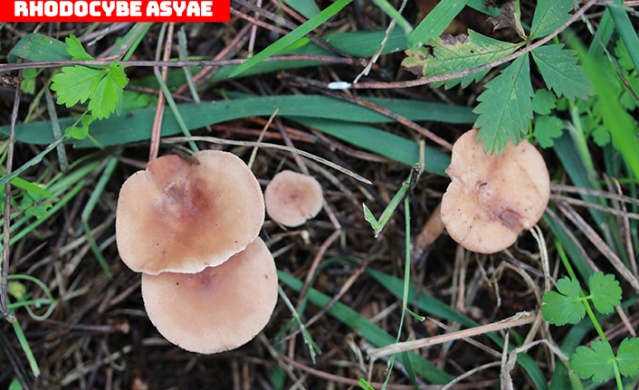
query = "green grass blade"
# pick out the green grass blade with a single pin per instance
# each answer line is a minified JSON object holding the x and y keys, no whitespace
{"x":480,"y":5}
{"x":24,"y":344}
{"x":394,"y":14}
{"x":565,"y":148}
{"x":127,"y":45}
{"x":367,"y":330}
{"x":626,"y":30}
{"x":435,"y":22}
{"x":577,"y":260}
{"x":381,"y":142}
{"x":135,"y":125}
{"x":307,"y":8}
{"x":616,"y":119}
{"x":293,"y":36}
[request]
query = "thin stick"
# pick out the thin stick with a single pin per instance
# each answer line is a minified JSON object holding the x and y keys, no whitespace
{"x":599,"y":243}
{"x":180,"y":64}
{"x":6,"y":252}
{"x":302,"y":153}
{"x":261,"y":136}
{"x":159,"y":112}
{"x":518,"y":319}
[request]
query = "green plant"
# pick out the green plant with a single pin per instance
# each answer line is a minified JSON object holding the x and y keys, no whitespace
{"x":506,"y":106}
{"x":569,"y":304}
{"x":101,"y":86}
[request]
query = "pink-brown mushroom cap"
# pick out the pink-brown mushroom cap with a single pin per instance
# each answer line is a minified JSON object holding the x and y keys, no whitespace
{"x":492,"y":198}
{"x":292,"y":198}
{"x":180,"y":216}
{"x":218,"y":309}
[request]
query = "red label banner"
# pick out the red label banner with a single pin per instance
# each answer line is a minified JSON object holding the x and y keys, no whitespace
{"x":115,"y":10}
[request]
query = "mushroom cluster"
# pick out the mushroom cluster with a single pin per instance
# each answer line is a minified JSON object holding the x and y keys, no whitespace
{"x":209,"y":283}
{"x":493,"y":198}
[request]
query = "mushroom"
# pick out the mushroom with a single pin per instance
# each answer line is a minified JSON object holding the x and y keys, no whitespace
{"x":183,"y":216}
{"x":292,"y":198}
{"x":492,"y":198}
{"x":217,"y":309}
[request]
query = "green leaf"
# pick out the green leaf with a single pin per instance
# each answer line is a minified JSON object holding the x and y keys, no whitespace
{"x":601,"y":136}
{"x":15,"y":384}
{"x":596,"y":362}
{"x":108,"y":93}
{"x":505,"y":107}
{"x":628,"y":357}
{"x":293,"y":36}
{"x":561,"y":73}
{"x":35,"y":189}
{"x":549,"y":15}
{"x":604,"y":292}
{"x":75,"y":84}
{"x":28,"y":82}
{"x":37,"y":47}
{"x":434,"y":24}
{"x":365,"y":385}
{"x":547,"y":128}
{"x":451,"y":54}
{"x":565,"y":306}
{"x":623,"y":57}
{"x":509,"y":17}
{"x":16,"y":290}
{"x":544,"y":102}
{"x":82,"y":131}
{"x":76,"y":50}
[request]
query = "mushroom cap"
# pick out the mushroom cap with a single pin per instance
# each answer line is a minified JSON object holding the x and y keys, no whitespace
{"x":492,"y":198}
{"x":218,"y":309}
{"x":291,"y":198}
{"x":180,"y":216}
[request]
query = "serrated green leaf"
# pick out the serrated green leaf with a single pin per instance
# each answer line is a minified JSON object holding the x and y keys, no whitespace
{"x":505,"y":107}
{"x":75,"y":84}
{"x":565,"y":306}
{"x":596,"y":362}
{"x":116,"y":72}
{"x":623,"y":57}
{"x":604,"y":292}
{"x":544,"y":101}
{"x":547,"y":128}
{"x":105,"y":98}
{"x":558,"y":67}
{"x":549,"y":15}
{"x":451,"y":54}
{"x":76,"y":50}
{"x":628,"y":357}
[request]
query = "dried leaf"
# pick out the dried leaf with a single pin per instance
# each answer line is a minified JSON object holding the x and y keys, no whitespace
{"x":509,"y":17}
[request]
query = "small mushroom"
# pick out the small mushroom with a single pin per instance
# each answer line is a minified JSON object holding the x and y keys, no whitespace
{"x":182,"y":216}
{"x":292,"y":198}
{"x":492,"y":198}
{"x":217,"y":309}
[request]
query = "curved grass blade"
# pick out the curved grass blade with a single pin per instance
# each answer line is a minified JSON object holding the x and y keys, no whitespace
{"x":293,"y":36}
